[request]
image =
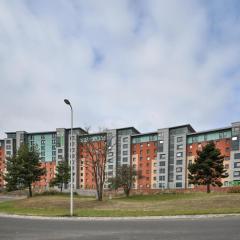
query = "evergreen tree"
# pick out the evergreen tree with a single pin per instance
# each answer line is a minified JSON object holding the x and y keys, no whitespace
{"x":23,"y":169}
{"x":62,"y":175}
{"x":208,"y":168}
{"x":125,"y":177}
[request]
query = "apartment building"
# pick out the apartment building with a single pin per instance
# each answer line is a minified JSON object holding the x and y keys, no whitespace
{"x":161,"y":157}
{"x":144,"y":156}
{"x":2,"y":163}
{"x":222,"y":140}
{"x":118,"y":142}
{"x":52,"y":146}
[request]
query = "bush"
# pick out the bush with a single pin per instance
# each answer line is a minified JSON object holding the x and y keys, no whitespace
{"x":53,"y":192}
{"x":234,"y":189}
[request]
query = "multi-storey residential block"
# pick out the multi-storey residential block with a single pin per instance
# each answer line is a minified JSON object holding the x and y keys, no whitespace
{"x":161,"y":157}
{"x":52,"y":146}
{"x":222,"y":139}
{"x":118,"y":153}
{"x":2,"y":163}
{"x":235,"y":154}
{"x":144,"y":154}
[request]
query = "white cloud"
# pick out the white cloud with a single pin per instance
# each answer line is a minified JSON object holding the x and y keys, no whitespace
{"x":150,"y":64}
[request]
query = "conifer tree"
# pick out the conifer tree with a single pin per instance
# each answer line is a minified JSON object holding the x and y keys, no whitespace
{"x":23,"y":169}
{"x":62,"y":175}
{"x":208,"y":168}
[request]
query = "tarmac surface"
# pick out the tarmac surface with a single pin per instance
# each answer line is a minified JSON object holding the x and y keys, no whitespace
{"x":161,"y":228}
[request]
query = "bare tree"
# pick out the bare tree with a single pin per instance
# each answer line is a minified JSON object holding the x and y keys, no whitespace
{"x":94,"y":149}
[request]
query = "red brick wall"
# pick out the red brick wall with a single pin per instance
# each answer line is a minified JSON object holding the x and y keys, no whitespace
{"x":146,"y":153}
{"x":50,"y":173}
{"x":85,"y":160}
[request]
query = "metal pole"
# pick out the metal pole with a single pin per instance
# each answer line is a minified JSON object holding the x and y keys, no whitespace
{"x":71,"y":159}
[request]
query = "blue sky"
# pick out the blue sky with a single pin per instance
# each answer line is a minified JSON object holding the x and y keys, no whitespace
{"x":148,"y":64}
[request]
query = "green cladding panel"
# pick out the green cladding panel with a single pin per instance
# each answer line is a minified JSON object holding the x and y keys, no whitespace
{"x":210,"y":136}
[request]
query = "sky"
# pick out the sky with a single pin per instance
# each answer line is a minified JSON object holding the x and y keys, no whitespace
{"x":148,"y":64}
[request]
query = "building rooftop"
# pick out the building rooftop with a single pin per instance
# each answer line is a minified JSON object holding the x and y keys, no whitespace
{"x":47,"y":132}
{"x":211,"y":130}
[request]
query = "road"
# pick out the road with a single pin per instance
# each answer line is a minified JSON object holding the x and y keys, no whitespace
{"x":220,"y":228}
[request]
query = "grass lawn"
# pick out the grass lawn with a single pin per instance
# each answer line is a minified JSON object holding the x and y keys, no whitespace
{"x":151,"y":205}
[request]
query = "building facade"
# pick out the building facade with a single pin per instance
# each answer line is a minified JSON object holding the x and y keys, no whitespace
{"x":161,"y":158}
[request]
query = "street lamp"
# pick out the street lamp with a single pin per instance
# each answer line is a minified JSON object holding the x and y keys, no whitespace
{"x":71,"y":144}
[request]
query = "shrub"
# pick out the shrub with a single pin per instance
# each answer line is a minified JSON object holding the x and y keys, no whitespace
{"x":234,"y":189}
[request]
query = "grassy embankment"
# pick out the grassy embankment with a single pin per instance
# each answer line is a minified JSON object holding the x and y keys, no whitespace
{"x":152,"y":205}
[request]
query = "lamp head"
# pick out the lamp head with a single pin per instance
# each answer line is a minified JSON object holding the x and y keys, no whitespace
{"x":67,"y":101}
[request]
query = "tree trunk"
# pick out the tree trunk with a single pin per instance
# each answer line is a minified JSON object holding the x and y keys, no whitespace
{"x":127,"y":191}
{"x":61,"y":187}
{"x":208,"y":188}
{"x":30,"y":190}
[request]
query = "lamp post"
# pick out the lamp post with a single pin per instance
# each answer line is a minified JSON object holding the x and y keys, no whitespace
{"x":71,"y":163}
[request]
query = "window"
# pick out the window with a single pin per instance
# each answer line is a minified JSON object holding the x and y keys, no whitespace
{"x":227,"y":149}
{"x":161,"y":185}
{"x":179,"y":147}
{"x":178,"y":169}
{"x":134,"y":159}
{"x":125,"y":139}
{"x":190,"y":146}
{"x":236,"y":165}
{"x":148,"y":151}
{"x":179,"y":162}
{"x":179,"y":184}
{"x":60,"y":150}
{"x":236,"y":173}
{"x":125,"y":153}
{"x":148,"y":158}
{"x":141,"y":145}
{"x":162,"y":170}
{"x":226,"y":166}
{"x":125,"y":159}
{"x":110,"y":154}
{"x":147,"y":171}
{"x":236,"y":155}
{"x":179,"y":177}
{"x":179,"y":154}
{"x":162,"y":156}
{"x":161,"y":141}
{"x":234,"y":138}
{"x":161,"y":163}
{"x":226,"y":183}
{"x":179,"y":139}
{"x":110,"y":160}
{"x":161,"y":178}
{"x":110,"y":167}
{"x":148,"y":144}
{"x":125,"y":145}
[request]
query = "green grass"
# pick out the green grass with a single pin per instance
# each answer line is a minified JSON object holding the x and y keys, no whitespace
{"x":139,"y":205}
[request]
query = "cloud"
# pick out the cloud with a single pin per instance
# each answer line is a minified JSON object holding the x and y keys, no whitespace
{"x":148,"y":64}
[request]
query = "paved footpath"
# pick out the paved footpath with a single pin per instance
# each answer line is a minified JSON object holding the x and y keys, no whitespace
{"x":168,"y":228}
{"x":4,"y":198}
